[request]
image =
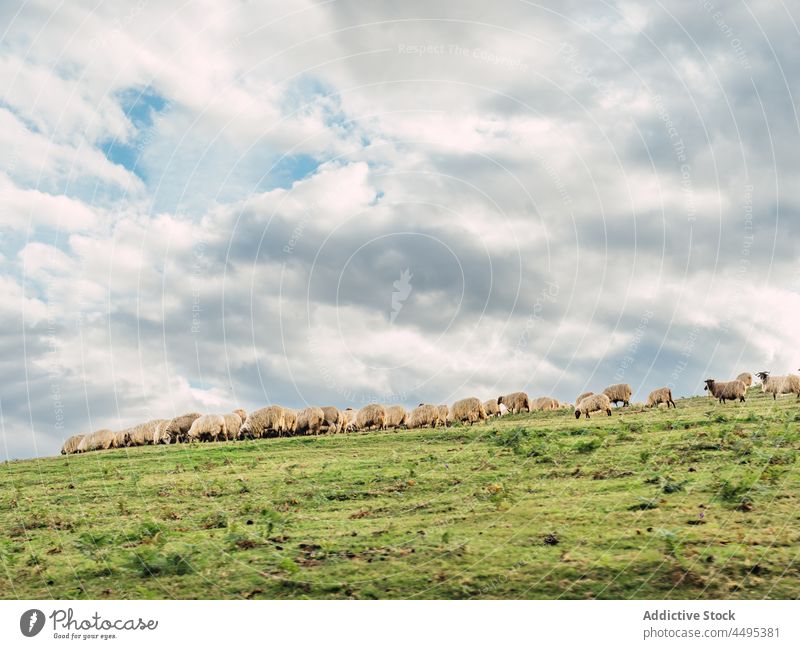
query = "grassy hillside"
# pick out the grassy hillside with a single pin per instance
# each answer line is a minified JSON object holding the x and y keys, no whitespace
{"x":702,"y":501}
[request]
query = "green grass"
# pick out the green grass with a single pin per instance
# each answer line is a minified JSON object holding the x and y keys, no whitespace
{"x":698,"y":502}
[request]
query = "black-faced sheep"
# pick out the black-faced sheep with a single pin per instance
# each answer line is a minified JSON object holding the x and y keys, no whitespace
{"x":592,"y":404}
{"x":660,"y":395}
{"x":726,"y":390}
{"x":775,"y":385}
{"x":492,"y":408}
{"x":620,"y":392}
{"x":516,"y":402}
{"x":471,"y":410}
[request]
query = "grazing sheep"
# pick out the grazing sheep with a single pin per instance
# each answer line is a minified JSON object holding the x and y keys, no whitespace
{"x":396,"y":416}
{"x":746,"y":378}
{"x":178,"y":427}
{"x":71,"y":444}
{"x":516,"y":402}
{"x":332,"y":422}
{"x":289,"y":421}
{"x":775,"y":385}
{"x":424,"y":415}
{"x":99,"y":440}
{"x":233,"y":423}
{"x":592,"y":404}
{"x":726,"y":390}
{"x":471,"y":409}
{"x":142,"y":434}
{"x":544,"y":403}
{"x":660,"y":395}
{"x":265,"y":422}
{"x":122,"y":438}
{"x":349,"y":420}
{"x":581,"y":397}
{"x":491,"y":408}
{"x":372,"y":415}
{"x":160,"y":434}
{"x":208,"y":428}
{"x":619,"y":392}
{"x":444,"y":415}
{"x":310,"y":420}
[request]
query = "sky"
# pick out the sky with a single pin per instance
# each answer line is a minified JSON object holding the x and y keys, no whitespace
{"x":210,"y":205}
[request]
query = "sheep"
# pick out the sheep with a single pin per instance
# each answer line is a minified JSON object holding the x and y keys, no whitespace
{"x":592,"y":404}
{"x":233,"y":423}
{"x":289,"y":421}
{"x":775,"y":385}
{"x":565,"y":405}
{"x":619,"y":392}
{"x":349,"y":420}
{"x":726,"y":390}
{"x":208,"y":428}
{"x":71,"y":444}
{"x":444,"y":415}
{"x":746,"y":378}
{"x":178,"y":427}
{"x":544,"y":403}
{"x":491,"y":407}
{"x":265,"y":422}
{"x":581,"y":397}
{"x":424,"y":415}
{"x":660,"y":395}
{"x":141,"y":434}
{"x":396,"y":416}
{"x":310,"y":420}
{"x":372,"y":415}
{"x":160,"y":434}
{"x":99,"y":440}
{"x":122,"y":438}
{"x":332,"y":421}
{"x":516,"y":402}
{"x":471,"y":409}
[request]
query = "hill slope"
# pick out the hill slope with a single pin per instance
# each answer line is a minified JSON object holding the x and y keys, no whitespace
{"x":701,"y":501}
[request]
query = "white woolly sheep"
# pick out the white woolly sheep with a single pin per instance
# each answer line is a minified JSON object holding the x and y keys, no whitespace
{"x":208,"y":428}
{"x":592,"y":404}
{"x":726,"y":390}
{"x":122,"y":438}
{"x":396,"y":416}
{"x":178,"y":427}
{"x":660,"y":395}
{"x":492,"y":408}
{"x":516,"y":402}
{"x":444,"y":415}
{"x":264,"y":422}
{"x":349,"y":420}
{"x":619,"y":392}
{"x":71,"y":444}
{"x":775,"y":385}
{"x":142,"y":434}
{"x":425,"y":415}
{"x":233,"y":423}
{"x":544,"y":403}
{"x":332,"y":419}
{"x":471,"y":409}
{"x":371,"y":416}
{"x":99,"y":440}
{"x":309,"y":421}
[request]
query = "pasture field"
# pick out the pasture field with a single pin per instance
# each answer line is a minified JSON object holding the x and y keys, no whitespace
{"x":698,"y":502}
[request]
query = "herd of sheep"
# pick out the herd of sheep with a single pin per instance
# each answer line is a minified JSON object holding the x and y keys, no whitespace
{"x":277,"y":421}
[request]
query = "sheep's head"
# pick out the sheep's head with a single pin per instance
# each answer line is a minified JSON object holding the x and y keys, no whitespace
{"x":500,"y":400}
{"x":577,"y":413}
{"x":762,"y":375}
{"x":709,"y":384}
